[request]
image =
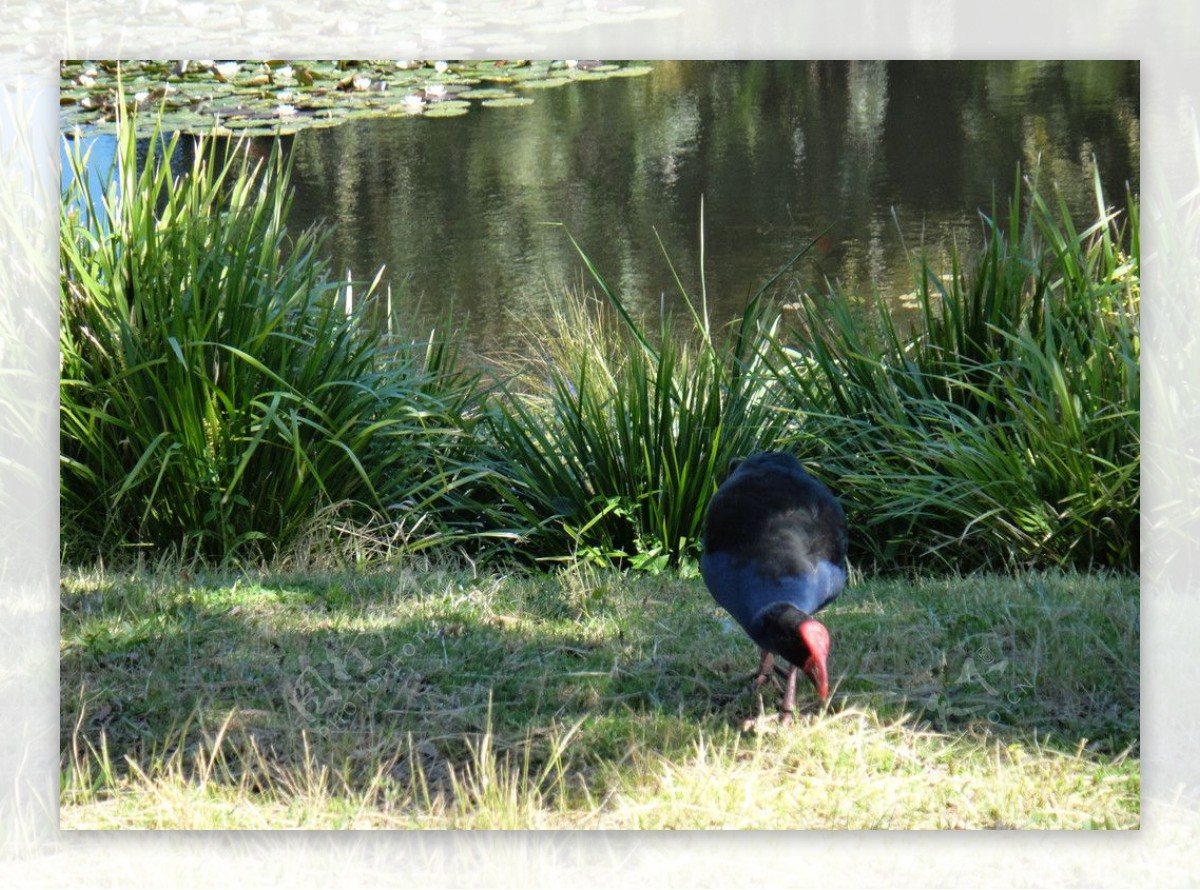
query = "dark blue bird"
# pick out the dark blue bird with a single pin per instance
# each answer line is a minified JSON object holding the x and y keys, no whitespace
{"x":774,"y":556}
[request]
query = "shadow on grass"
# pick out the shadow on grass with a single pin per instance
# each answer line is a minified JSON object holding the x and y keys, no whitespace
{"x":410,"y":676}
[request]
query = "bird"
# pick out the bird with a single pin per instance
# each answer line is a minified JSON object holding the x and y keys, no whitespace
{"x":774,"y":554}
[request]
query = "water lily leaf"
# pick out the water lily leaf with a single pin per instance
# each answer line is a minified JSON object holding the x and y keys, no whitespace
{"x":322,"y":123}
{"x":539,"y":71}
{"x":194,"y":95}
{"x":547,"y":83}
{"x":446,"y":109}
{"x":251,"y":125}
{"x":193,"y":122}
{"x":631,"y":71}
{"x":486,"y":93}
{"x":507,"y":102}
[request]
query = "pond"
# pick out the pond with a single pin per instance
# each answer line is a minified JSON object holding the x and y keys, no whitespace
{"x":875,"y":161}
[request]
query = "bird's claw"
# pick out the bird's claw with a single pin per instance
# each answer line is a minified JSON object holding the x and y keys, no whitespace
{"x":762,"y":678}
{"x":766,"y":671}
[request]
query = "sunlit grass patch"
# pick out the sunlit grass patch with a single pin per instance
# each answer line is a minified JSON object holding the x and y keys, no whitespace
{"x":850,"y":769}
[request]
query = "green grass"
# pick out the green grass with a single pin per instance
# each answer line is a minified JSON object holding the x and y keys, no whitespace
{"x":421,"y":696}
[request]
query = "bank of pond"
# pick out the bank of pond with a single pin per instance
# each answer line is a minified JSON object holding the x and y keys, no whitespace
{"x":224,"y":395}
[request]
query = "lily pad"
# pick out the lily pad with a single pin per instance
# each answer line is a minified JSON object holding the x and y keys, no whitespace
{"x":488,"y":94}
{"x":289,"y":95}
{"x":253,"y":124}
{"x":548,"y":83}
{"x":507,"y":102}
{"x":632,"y":71}
{"x":445,"y":109}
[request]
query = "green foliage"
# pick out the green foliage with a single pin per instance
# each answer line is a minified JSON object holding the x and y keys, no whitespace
{"x":617,"y":442}
{"x":1006,"y":429}
{"x":217,"y":393}
{"x":219,"y":396}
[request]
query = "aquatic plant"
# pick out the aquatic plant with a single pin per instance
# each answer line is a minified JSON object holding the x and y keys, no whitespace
{"x":1005,"y":430}
{"x":218,"y":396}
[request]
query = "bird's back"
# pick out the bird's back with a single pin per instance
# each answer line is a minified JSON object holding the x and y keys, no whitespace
{"x":773,"y":533}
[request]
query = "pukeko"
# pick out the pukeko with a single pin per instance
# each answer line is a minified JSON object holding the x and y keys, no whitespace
{"x":774,"y":555}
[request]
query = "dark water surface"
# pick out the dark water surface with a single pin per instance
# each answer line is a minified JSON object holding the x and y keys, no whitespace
{"x":876,"y":160}
{"x":884,"y":158}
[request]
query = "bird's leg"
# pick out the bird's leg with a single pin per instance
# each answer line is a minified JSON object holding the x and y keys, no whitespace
{"x":765,"y":671}
{"x":789,"y":697}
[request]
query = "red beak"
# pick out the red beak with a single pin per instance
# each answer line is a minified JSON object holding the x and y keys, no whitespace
{"x":816,"y":637}
{"x":819,"y":674}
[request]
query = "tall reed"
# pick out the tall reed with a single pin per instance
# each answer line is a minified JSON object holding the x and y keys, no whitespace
{"x":216,"y":394}
{"x":218,"y":397}
{"x":1006,"y":429}
{"x":616,"y":438}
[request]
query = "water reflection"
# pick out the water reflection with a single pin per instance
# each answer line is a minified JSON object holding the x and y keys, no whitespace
{"x":876,"y":160}
{"x":885,"y":158}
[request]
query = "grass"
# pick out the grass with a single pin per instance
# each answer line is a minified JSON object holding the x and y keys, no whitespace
{"x":433,"y":697}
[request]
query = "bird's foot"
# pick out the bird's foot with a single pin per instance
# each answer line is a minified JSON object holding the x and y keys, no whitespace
{"x":760,"y":679}
{"x":766,"y":671}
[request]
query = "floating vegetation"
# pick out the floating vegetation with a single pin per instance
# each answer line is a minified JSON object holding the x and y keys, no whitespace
{"x":489,"y":93}
{"x":447,"y":109}
{"x":275,"y":96}
{"x":630,"y":71}
{"x":545,"y":83}
{"x":507,"y":102}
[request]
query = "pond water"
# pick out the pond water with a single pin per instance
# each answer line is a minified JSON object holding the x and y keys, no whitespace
{"x":876,"y":160}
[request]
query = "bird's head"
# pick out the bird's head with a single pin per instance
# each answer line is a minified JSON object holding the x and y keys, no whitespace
{"x":801,"y":639}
